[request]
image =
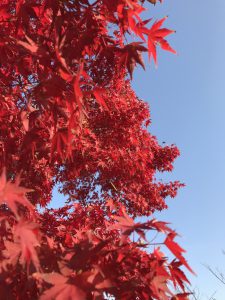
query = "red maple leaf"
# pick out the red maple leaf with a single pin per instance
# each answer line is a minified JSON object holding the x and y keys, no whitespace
{"x":61,"y":289}
{"x":12,"y":194}
{"x":131,"y":54}
{"x":156,"y":36}
{"x":176,"y":250}
{"x":26,"y":239}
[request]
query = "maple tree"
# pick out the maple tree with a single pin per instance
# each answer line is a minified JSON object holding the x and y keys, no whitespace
{"x":70,"y":118}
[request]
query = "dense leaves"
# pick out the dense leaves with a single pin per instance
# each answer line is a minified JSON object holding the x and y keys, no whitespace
{"x":70,"y":119}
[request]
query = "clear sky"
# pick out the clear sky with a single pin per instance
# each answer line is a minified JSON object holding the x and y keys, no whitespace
{"x":187,"y":100}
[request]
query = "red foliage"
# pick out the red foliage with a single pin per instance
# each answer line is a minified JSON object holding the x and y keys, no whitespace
{"x":70,"y":118}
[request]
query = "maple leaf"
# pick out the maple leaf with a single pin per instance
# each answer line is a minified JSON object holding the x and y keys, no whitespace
{"x":98,"y":93}
{"x":11,"y":254}
{"x":177,"y":275}
{"x":127,"y":225}
{"x":25,"y":241}
{"x":65,"y":292}
{"x":61,"y":289}
{"x":111,"y":204}
{"x":176,"y":250}
{"x":27,"y":233}
{"x":159,"y":225}
{"x":131,"y":55}
{"x":156,"y":36}
{"x":60,"y":142}
{"x":159,"y":286}
{"x":12,"y":194}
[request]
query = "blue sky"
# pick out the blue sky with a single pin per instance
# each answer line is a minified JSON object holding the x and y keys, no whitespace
{"x":186,"y":94}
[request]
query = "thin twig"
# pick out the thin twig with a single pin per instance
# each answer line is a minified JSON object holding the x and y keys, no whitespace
{"x":214,"y":273}
{"x":211,"y":298}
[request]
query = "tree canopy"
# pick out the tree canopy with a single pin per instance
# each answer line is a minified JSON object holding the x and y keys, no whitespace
{"x":69,"y":118}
